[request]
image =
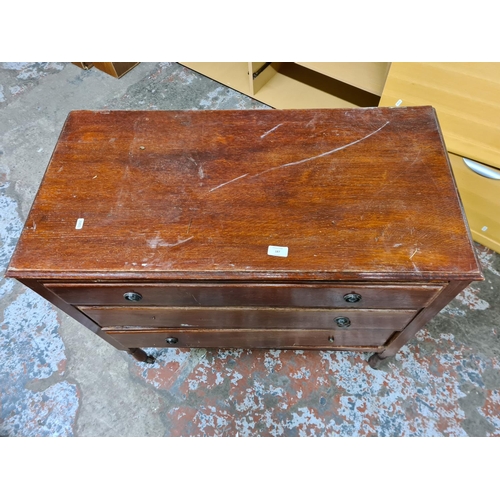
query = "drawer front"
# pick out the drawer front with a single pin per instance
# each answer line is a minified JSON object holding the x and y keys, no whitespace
{"x":481,"y":200}
{"x":246,"y":317}
{"x":250,"y":295}
{"x":293,"y":339}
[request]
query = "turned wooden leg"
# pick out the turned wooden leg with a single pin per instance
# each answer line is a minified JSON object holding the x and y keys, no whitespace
{"x":375,"y":361}
{"x":140,"y":355}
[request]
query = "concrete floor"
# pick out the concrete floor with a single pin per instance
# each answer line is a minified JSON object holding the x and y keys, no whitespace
{"x":58,"y":379}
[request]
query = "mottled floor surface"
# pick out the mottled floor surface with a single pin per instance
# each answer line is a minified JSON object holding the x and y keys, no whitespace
{"x":58,"y":379}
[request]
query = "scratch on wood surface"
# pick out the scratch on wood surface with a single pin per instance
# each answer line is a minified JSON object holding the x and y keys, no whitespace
{"x":201,"y":174}
{"x":323,"y":154}
{"x":415,"y":267}
{"x":165,"y":244}
{"x":269,"y":131}
{"x":228,"y":182}
{"x":411,"y":256}
{"x":158,"y":242}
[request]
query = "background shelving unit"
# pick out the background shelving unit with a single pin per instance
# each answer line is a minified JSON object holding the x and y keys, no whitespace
{"x":288,"y":85}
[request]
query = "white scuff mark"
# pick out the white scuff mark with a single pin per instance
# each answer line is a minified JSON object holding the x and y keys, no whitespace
{"x":40,"y":150}
{"x":228,"y":182}
{"x":397,"y":245}
{"x":94,"y":177}
{"x":79,"y":223}
{"x":269,"y":131}
{"x":144,"y":265}
{"x":312,"y":121}
{"x":323,"y":154}
{"x":180,"y":242}
{"x":158,"y":242}
{"x":415,"y":251}
{"x":201,"y":174}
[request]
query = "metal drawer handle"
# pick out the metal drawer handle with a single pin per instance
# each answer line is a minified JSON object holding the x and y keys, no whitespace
{"x":352,"y":297}
{"x":479,"y":168}
{"x":171,"y":340}
{"x":343,"y":321}
{"x":132,"y":296}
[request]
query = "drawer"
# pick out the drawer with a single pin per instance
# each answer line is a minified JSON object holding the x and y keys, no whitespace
{"x":282,"y":339}
{"x":250,"y":295}
{"x":481,"y":200}
{"x":247,"y":317}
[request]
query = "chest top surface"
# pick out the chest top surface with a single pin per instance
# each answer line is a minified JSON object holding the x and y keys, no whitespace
{"x":358,"y":194}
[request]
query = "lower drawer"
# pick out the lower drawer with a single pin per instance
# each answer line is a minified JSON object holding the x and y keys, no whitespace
{"x":269,"y":339}
{"x":481,"y":199}
{"x":247,"y":317}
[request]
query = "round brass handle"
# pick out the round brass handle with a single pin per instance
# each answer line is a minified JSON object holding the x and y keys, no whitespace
{"x":343,"y":321}
{"x":132,"y":296}
{"x":171,"y":340}
{"x":352,"y":297}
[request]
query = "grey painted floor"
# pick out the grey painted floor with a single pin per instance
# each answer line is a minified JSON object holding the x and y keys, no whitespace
{"x":58,"y":379}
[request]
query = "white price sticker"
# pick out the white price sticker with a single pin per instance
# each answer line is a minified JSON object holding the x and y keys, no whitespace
{"x":277,"y":251}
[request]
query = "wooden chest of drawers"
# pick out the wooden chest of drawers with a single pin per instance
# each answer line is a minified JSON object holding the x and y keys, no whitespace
{"x":297,"y":229}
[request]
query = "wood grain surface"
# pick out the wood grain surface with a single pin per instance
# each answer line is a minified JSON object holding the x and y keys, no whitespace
{"x":246,"y":317}
{"x":367,"y":340}
{"x":248,"y":294}
{"x":359,"y":194}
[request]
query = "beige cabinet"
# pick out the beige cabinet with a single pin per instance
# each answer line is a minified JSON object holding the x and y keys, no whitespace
{"x":302,"y":85}
{"x":467,"y":100}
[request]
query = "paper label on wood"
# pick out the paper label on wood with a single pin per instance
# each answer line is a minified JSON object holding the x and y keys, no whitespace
{"x":277,"y":251}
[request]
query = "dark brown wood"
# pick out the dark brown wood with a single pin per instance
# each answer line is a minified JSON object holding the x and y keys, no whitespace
{"x":246,"y":317}
{"x":249,"y":294}
{"x":116,"y":69}
{"x":141,"y":356}
{"x":375,"y":361}
{"x":363,"y":194}
{"x":451,"y":291}
{"x":83,"y":65}
{"x":182,"y":207}
{"x":258,"y":339}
